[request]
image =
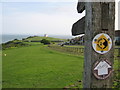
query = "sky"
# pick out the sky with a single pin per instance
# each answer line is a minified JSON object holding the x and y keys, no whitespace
{"x":37,"y":18}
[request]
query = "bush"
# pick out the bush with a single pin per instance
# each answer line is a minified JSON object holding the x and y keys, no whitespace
{"x":12,"y":44}
{"x":15,"y":40}
{"x":23,"y":39}
{"x":44,"y":41}
{"x":9,"y":42}
{"x":117,"y":43}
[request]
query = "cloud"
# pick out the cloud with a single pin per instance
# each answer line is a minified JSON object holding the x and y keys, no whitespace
{"x":0,"y":19}
{"x":118,"y":23}
{"x":57,"y":0}
{"x":53,"y":18}
{"x":40,"y":23}
{"x":117,"y":15}
{"x":38,"y":0}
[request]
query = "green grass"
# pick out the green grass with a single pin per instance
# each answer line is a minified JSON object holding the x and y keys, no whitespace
{"x":39,"y":67}
{"x":36,"y":66}
{"x":40,"y":38}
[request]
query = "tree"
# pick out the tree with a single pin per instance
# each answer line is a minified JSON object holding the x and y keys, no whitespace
{"x":44,"y":41}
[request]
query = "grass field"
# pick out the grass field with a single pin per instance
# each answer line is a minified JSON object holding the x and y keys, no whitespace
{"x":39,"y":67}
{"x":40,"y":38}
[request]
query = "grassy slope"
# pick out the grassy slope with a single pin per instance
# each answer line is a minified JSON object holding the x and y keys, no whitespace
{"x":39,"y":67}
{"x":40,"y":38}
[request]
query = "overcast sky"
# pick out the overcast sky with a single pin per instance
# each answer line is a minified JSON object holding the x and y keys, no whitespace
{"x":38,"y":18}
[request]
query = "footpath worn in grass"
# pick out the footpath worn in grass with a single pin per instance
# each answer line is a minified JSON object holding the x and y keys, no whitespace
{"x":40,"y":67}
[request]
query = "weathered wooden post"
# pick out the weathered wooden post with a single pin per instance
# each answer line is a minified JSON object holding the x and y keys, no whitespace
{"x":100,"y":18}
{"x":99,"y":45}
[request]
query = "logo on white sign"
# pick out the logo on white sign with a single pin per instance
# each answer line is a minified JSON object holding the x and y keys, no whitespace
{"x":102,"y":43}
{"x":102,"y":68}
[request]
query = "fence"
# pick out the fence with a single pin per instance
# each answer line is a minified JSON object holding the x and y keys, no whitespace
{"x":117,"y":52}
{"x":77,"y":50}
{"x":80,"y":51}
{"x":70,"y":50}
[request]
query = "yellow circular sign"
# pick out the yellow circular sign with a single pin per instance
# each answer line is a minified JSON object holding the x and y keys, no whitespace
{"x":102,"y":43}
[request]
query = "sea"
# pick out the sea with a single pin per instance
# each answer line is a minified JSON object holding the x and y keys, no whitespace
{"x":6,"y":38}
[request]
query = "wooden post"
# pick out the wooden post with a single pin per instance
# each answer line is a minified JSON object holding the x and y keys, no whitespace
{"x":99,"y":46}
{"x":94,"y":24}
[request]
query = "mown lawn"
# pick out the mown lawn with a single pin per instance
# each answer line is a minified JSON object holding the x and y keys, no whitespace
{"x":40,"y":67}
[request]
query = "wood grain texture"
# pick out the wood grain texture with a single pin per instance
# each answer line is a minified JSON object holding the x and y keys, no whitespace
{"x":79,"y":27}
{"x":93,"y":26}
{"x":80,"y":7}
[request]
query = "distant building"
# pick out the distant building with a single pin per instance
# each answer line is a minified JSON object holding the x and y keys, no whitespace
{"x":117,"y":37}
{"x":45,"y":35}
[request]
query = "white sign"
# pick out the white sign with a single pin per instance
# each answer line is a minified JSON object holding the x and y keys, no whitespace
{"x":102,"y":43}
{"x":102,"y":68}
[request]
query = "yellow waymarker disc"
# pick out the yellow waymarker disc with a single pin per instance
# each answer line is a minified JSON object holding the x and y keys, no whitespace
{"x":102,"y":43}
